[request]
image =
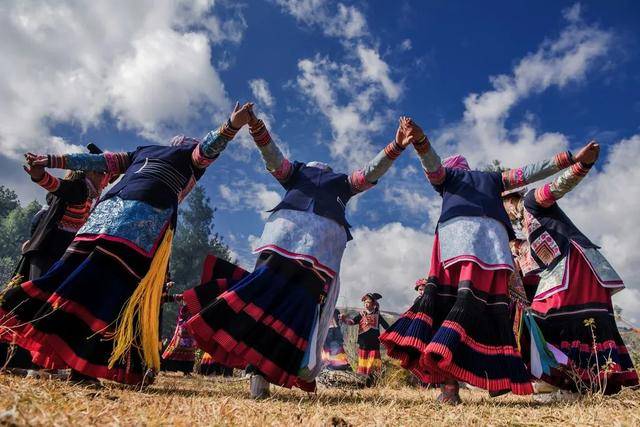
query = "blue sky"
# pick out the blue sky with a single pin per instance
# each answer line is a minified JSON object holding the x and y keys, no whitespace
{"x":331,"y":78}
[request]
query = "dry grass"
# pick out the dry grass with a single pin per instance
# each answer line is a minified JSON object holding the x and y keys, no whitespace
{"x":180,"y":400}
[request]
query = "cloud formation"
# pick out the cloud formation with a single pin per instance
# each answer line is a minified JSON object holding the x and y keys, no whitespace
{"x":146,"y":64}
{"x":482,"y":134}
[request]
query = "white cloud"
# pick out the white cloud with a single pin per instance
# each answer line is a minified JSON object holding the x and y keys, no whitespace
{"x":606,"y":207}
{"x":387,"y":260}
{"x":349,"y":96}
{"x":482,"y":134}
{"x":145,"y":63}
{"x":260,"y":90}
{"x":251,"y":195}
{"x":406,"y":45}
{"x":341,"y":21}
{"x":377,"y":71}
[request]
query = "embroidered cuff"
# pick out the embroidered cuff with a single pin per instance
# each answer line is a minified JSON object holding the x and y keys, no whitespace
{"x":57,"y":161}
{"x":359,"y":182}
{"x":513,"y":178}
{"x":48,"y":182}
{"x":199,"y":160}
{"x":580,"y":169}
{"x":563,"y":160}
{"x":437,"y":177}
{"x":260,"y":134}
{"x":284,"y":170}
{"x":228,"y":131}
{"x":117,"y":163}
{"x":423,"y":145}
{"x":544,"y":196}
{"x":393,"y":150}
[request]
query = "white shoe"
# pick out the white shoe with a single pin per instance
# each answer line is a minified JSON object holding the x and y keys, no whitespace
{"x":259,"y":387}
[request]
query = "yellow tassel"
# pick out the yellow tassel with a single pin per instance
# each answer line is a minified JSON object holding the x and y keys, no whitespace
{"x":140,"y":315}
{"x":15,"y":281}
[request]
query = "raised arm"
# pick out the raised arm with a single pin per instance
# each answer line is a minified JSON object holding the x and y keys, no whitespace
{"x":112,"y":163}
{"x":519,"y":177}
{"x":216,"y":141}
{"x":73,"y":191}
{"x":365,"y":178}
{"x":431,"y":163}
{"x":275,"y":162}
{"x":549,"y":193}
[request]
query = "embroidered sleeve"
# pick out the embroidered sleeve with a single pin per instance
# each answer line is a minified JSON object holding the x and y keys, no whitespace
{"x":519,"y":177}
{"x":365,"y":178}
{"x":548,"y":194}
{"x":117,"y":163}
{"x":276,"y":163}
{"x":212,"y":145}
{"x":431,"y":163}
{"x":49,"y":182}
{"x":79,"y":162}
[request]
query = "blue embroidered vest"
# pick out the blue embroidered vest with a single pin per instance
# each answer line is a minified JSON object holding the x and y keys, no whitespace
{"x":157,"y":175}
{"x":323,"y":192}
{"x":551,"y":232}
{"x":473,"y":193}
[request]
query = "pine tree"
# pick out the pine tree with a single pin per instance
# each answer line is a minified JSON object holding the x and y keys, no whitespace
{"x":15,"y":227}
{"x":193,"y":241}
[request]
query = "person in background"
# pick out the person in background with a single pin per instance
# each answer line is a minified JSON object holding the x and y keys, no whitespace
{"x":333,"y":354}
{"x":369,"y":321}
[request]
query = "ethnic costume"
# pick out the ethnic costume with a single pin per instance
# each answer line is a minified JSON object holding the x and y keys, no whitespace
{"x":369,"y":322}
{"x":333,"y":354}
{"x":53,"y":228}
{"x":180,"y":354}
{"x":276,"y":318}
{"x":572,"y":306}
{"x":97,"y":309}
{"x":461,"y":329}
{"x":404,"y":338}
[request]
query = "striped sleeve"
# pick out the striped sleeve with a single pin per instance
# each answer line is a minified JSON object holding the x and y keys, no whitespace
{"x":365,"y":178}
{"x":212,"y":145}
{"x":431,"y":163}
{"x":548,"y":194}
{"x":49,"y":182}
{"x":276,"y":163}
{"x":519,"y":177}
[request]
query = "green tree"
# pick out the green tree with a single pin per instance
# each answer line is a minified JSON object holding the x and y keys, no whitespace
{"x":194,"y":239}
{"x":494,"y":166}
{"x":15,"y":227}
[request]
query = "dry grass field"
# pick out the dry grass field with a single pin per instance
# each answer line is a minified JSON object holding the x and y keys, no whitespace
{"x":178,"y":400}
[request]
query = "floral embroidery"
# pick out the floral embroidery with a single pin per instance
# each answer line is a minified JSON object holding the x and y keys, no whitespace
{"x":546,"y":248}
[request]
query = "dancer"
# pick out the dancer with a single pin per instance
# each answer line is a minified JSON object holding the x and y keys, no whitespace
{"x":180,"y":354}
{"x":404,"y":339}
{"x":333,"y":354}
{"x":277,"y":317}
{"x":572,"y":305}
{"x":69,"y":201}
{"x":96,"y":311}
{"x":466,"y":327}
{"x":369,"y":321}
